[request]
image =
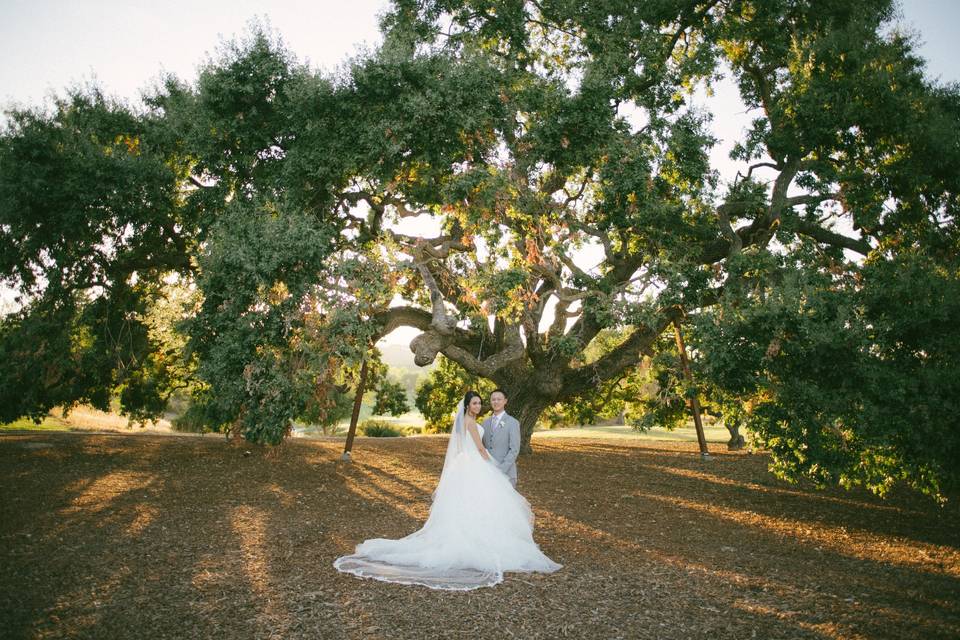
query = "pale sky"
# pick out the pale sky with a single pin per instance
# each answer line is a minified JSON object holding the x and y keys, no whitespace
{"x":124,"y":45}
{"x":46,"y":45}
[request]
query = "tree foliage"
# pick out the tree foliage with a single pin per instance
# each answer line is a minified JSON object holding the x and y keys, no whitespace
{"x":439,"y":393}
{"x":89,"y":223}
{"x":851,"y":382}
{"x":849,"y":175}
{"x":391,"y":398}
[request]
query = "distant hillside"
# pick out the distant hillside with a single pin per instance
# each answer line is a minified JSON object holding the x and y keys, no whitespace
{"x":400,"y":356}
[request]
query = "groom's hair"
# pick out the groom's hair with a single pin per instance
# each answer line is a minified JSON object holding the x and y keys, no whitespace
{"x":500,"y":391}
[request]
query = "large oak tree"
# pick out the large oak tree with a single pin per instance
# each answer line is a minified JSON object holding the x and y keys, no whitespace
{"x":558,"y":156}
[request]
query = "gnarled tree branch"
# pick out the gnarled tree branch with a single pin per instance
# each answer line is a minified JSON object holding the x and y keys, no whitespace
{"x":627,"y":354}
{"x":832,"y":238}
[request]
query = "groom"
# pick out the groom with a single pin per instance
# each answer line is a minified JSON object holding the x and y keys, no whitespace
{"x":501,"y":436}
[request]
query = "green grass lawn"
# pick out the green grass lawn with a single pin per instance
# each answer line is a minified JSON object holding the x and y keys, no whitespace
{"x":683,"y":434}
{"x":84,"y":418}
{"x":25,"y":424}
{"x":413,"y":422}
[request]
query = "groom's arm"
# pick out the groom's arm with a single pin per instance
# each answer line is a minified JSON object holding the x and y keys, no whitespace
{"x":514,"y":447}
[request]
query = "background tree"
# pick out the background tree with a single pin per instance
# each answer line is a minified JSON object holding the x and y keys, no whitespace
{"x":91,"y":219}
{"x":438,"y":394}
{"x":391,"y":398}
{"x":101,"y":204}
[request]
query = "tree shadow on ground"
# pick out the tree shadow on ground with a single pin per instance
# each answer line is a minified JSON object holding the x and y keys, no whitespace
{"x":143,"y":536}
{"x":196,"y":537}
{"x":805,"y":557}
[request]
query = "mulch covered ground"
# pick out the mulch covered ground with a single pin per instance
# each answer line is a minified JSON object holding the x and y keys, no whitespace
{"x":115,"y":536}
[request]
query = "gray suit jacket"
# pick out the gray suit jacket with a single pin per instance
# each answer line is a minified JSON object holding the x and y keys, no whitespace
{"x":504,"y":445}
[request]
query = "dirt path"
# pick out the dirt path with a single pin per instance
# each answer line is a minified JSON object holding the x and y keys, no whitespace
{"x":105,"y":536}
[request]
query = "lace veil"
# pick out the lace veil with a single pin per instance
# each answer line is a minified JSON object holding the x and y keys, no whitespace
{"x":456,"y":446}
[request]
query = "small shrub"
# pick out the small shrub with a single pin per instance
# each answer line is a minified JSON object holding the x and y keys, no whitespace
{"x":378,"y":429}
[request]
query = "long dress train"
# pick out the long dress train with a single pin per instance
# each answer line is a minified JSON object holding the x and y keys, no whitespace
{"x":479,"y":527}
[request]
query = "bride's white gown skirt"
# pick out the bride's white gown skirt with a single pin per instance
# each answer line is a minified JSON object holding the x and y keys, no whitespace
{"x":479,"y":527}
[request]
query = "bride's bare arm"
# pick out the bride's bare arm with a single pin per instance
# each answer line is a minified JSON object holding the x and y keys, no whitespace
{"x":472,"y":430}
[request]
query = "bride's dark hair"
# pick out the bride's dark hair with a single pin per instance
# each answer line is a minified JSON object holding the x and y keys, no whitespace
{"x":468,"y":396}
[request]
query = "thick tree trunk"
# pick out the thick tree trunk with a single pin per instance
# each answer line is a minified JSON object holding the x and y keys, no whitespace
{"x":526,"y":407}
{"x":736,"y":441}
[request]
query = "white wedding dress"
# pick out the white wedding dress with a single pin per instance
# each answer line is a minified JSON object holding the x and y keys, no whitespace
{"x":479,"y":527}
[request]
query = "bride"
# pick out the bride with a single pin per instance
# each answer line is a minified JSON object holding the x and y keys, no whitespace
{"x":478,"y":528}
